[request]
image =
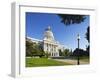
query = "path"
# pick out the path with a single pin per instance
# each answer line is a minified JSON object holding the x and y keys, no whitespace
{"x":74,"y":62}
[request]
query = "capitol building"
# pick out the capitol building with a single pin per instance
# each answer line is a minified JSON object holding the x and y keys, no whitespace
{"x":49,"y":44}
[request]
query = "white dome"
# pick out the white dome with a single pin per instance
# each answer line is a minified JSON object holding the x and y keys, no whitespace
{"x":48,"y":34}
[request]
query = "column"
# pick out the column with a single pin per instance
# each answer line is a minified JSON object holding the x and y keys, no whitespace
{"x":44,"y":46}
{"x":53,"y":51}
{"x":47,"y":47}
{"x":57,"y":51}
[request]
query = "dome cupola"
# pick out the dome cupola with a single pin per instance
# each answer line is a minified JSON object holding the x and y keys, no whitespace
{"x":48,"y":34}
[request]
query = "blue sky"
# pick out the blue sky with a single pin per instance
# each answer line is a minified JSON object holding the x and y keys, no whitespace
{"x":36,"y":23}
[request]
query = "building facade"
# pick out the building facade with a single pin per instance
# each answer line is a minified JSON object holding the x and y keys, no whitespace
{"x":49,"y":44}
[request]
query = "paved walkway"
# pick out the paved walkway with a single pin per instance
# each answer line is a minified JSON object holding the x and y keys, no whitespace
{"x":74,"y":62}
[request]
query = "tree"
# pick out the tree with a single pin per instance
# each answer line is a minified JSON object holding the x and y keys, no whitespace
{"x":79,"y":52}
{"x":33,"y":49}
{"x":29,"y":48}
{"x":88,"y":39}
{"x":60,"y":52}
{"x":66,"y":52}
{"x":47,"y":54}
{"x":88,"y":50}
{"x":68,"y":19}
{"x":38,"y":50}
{"x":88,"y":34}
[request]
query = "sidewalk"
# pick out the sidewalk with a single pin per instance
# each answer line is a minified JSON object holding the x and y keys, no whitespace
{"x":74,"y":62}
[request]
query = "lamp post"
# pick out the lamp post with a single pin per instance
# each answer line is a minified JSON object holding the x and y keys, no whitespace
{"x":78,"y":39}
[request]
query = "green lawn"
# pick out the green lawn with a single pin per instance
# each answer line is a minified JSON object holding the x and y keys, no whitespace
{"x":37,"y":62}
{"x":85,"y":60}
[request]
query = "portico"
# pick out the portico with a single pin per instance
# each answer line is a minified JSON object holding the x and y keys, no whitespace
{"x":51,"y":48}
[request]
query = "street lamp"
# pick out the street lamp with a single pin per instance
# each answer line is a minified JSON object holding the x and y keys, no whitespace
{"x":78,"y":39}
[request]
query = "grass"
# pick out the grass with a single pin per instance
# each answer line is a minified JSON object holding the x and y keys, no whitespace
{"x":85,"y":60}
{"x":38,"y":62}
